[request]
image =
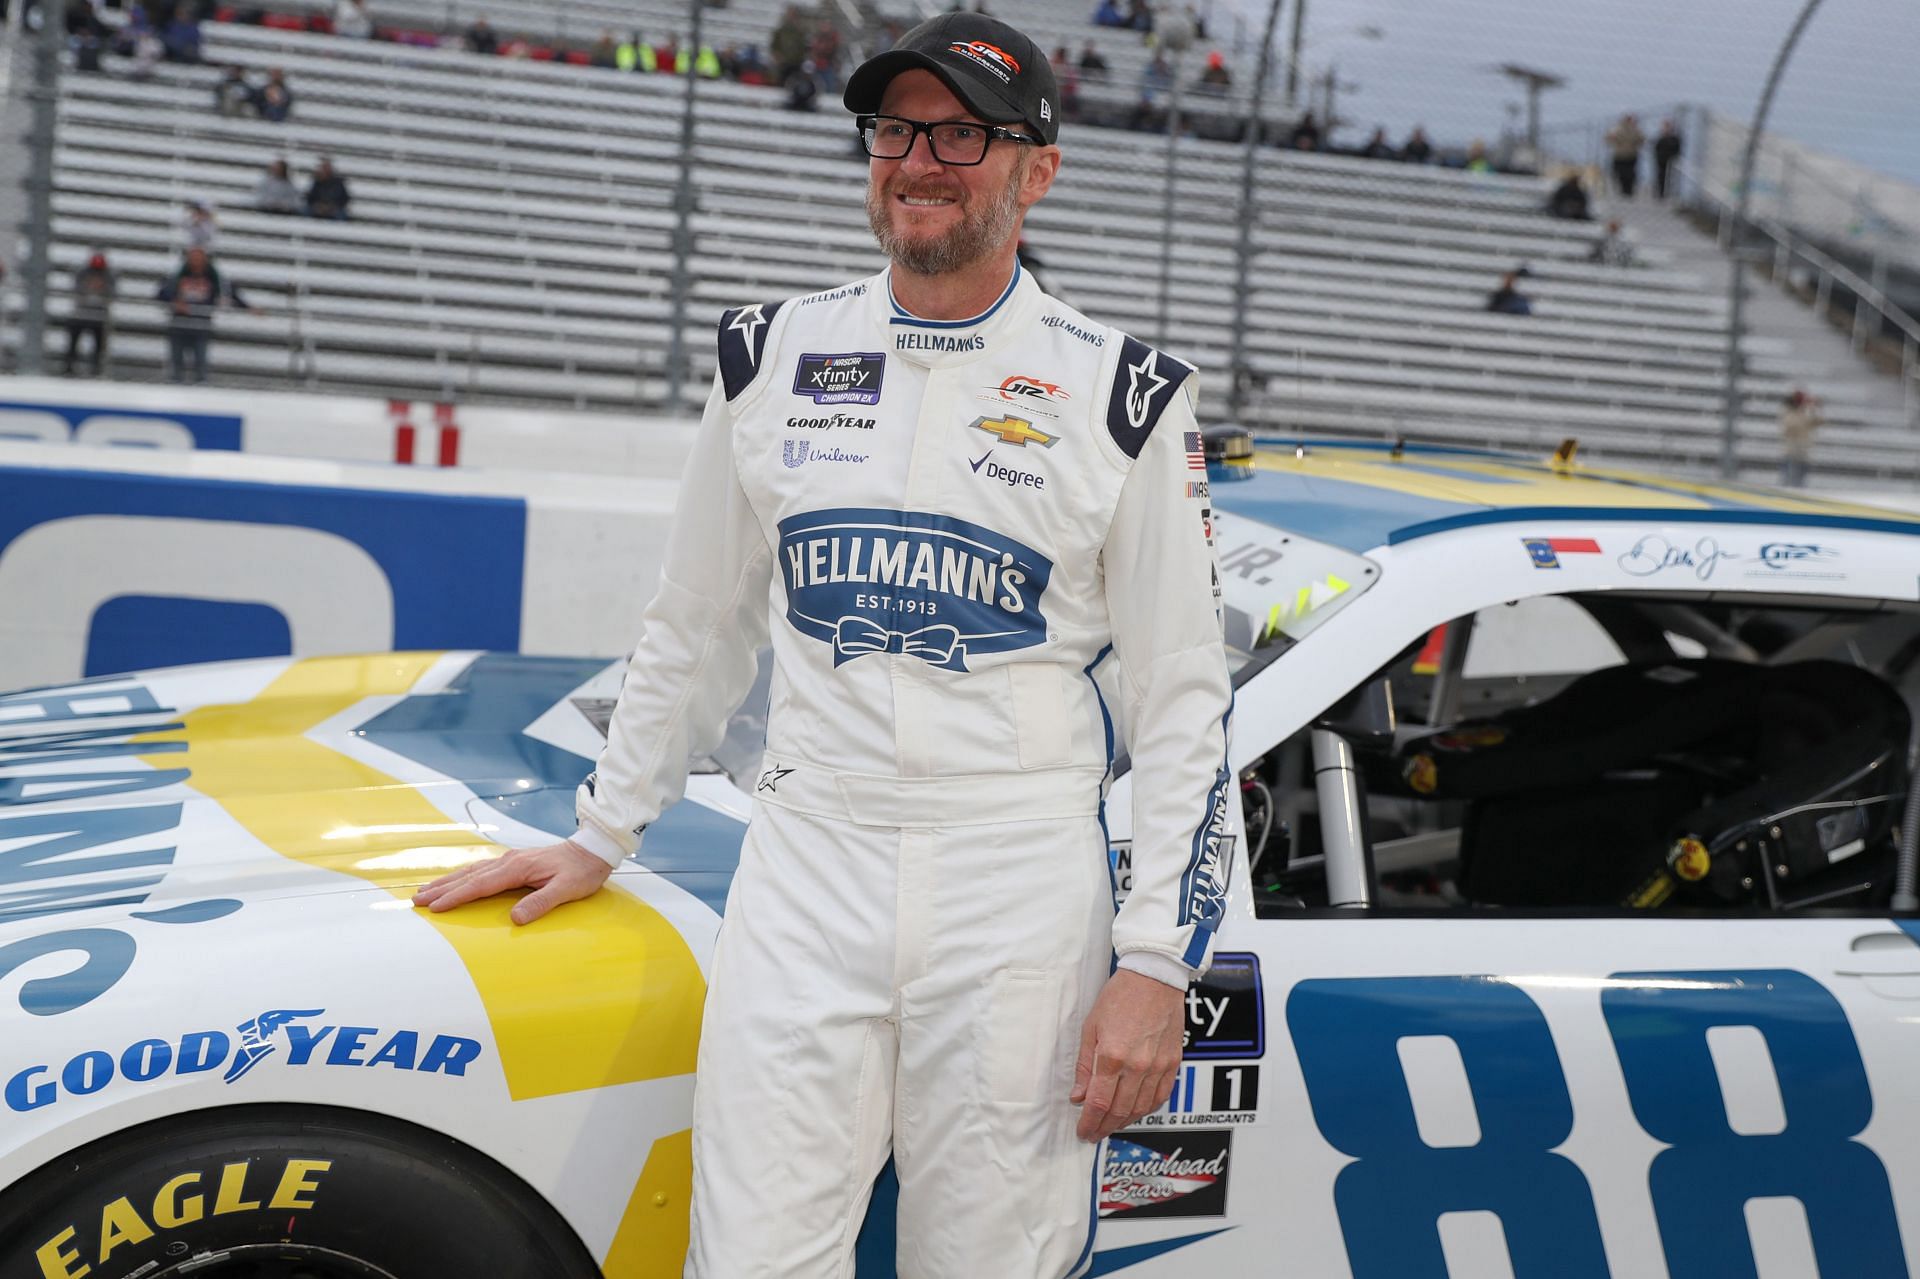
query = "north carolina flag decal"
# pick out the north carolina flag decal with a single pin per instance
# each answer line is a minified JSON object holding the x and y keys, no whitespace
{"x":1546,"y":551}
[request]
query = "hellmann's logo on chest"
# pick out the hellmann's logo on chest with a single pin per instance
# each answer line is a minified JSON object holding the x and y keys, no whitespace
{"x":876,"y":581}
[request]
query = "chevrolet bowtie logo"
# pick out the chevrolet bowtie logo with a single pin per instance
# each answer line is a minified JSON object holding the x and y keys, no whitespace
{"x":1016,"y":431}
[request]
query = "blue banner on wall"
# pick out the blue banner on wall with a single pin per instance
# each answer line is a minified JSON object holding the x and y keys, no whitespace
{"x":144,"y":570}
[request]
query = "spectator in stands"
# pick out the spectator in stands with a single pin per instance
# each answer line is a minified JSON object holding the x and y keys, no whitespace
{"x":1799,"y":418}
{"x":826,"y":53}
{"x":93,"y":292}
{"x":1216,"y":79}
{"x":1068,"y":78}
{"x":199,"y":229}
{"x":83,"y":20}
{"x":1666,"y":149}
{"x":87,"y":50}
{"x":606,"y":52}
{"x":1612,"y":248}
{"x":275,"y":192}
{"x":1569,"y":199}
{"x":705,"y":64}
{"x":192,"y":294}
{"x":180,"y":38}
{"x":274,"y":100}
{"x":1624,"y":140}
{"x":1092,"y":65}
{"x":1140,"y":16}
{"x":233,"y":95}
{"x":787,"y":46}
{"x":351,"y":19}
{"x":481,"y":39}
{"x":87,"y":35}
{"x":1156,"y":78}
{"x":1477,"y":161}
{"x":327,"y":195}
{"x":1417,"y":150}
{"x":147,"y":52}
{"x":1306,"y":134}
{"x":636,"y":54}
{"x":749,"y":67}
{"x":803,"y":87}
{"x":1378,"y":148}
{"x":1508,"y":299}
{"x":1109,"y":14}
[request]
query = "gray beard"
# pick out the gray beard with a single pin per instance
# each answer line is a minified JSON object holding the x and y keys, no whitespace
{"x":981,"y":232}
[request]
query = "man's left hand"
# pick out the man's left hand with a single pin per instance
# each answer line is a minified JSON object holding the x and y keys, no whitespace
{"x":1129,"y":1052}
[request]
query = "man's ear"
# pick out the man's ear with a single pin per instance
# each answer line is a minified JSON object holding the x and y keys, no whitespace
{"x":1042,"y":167}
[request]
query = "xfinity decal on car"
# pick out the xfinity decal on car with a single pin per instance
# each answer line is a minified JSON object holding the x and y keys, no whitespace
{"x":1226,"y":1013}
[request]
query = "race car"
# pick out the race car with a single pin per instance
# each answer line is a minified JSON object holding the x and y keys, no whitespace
{"x":1571,"y":929}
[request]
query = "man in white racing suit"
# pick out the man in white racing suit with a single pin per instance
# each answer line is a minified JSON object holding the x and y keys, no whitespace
{"x":958,"y":509}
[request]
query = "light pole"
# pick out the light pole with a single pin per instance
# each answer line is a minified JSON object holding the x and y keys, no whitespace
{"x":1176,"y":34}
{"x":681,"y":280}
{"x":1535,"y":81}
{"x":45,"y":93}
{"x":1736,"y":275}
{"x":1243,"y":242}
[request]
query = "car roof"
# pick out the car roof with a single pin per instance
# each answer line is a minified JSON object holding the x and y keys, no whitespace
{"x":1364,"y":495}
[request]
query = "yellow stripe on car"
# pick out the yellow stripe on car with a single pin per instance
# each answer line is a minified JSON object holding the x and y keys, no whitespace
{"x":654,"y":1230}
{"x":638,"y":1018}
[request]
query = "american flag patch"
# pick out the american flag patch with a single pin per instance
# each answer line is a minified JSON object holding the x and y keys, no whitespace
{"x":1196,"y":452}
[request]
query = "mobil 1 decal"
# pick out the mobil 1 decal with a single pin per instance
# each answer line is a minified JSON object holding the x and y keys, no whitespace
{"x":1226,"y":1010}
{"x":1175,"y":1173}
{"x":1210,"y":1093}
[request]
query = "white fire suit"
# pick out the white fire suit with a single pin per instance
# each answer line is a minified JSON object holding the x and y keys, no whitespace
{"x":948,"y":529}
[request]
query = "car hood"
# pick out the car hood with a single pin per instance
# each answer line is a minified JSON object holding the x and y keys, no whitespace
{"x":183,"y":789}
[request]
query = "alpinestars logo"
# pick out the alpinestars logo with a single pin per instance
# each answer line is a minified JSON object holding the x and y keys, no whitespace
{"x":747,"y":323}
{"x":990,"y":56}
{"x":1139,"y":396}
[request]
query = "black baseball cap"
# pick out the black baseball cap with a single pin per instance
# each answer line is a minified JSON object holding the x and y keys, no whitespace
{"x":999,"y":74}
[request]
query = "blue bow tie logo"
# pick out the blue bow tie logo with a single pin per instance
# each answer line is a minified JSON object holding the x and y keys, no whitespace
{"x":857,"y":636}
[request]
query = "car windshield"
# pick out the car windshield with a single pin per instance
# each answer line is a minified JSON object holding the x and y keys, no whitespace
{"x":1276,"y":587}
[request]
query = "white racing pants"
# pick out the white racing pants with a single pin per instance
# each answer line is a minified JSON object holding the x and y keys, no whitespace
{"x":904,"y":968}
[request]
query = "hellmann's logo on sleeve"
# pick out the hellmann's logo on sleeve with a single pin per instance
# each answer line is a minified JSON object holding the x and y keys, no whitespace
{"x":878,"y":581}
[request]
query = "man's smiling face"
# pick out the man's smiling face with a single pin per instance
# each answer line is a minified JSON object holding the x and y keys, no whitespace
{"x":932,"y":218}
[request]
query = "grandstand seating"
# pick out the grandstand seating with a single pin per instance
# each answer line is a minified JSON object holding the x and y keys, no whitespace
{"x":513,"y":223}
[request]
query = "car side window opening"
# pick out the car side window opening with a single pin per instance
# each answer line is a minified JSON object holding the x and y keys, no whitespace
{"x":1604,"y":754}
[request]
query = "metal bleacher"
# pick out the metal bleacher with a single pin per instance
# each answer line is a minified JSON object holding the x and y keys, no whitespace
{"x":513,"y":222}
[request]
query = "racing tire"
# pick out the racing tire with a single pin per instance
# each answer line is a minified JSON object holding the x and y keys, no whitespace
{"x":281,"y":1192}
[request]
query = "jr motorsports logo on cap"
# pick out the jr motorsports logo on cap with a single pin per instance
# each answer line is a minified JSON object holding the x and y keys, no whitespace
{"x":852,"y":378}
{"x":877,"y":581}
{"x":990,"y":56}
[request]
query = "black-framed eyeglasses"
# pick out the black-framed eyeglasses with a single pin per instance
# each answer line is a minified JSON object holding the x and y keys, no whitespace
{"x":890,"y":137}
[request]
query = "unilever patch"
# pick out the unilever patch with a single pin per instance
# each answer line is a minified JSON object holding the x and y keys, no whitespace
{"x":852,"y":378}
{"x":871,"y":580}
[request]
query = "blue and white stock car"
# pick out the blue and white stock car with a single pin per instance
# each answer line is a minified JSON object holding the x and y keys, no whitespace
{"x":1565,"y":935}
